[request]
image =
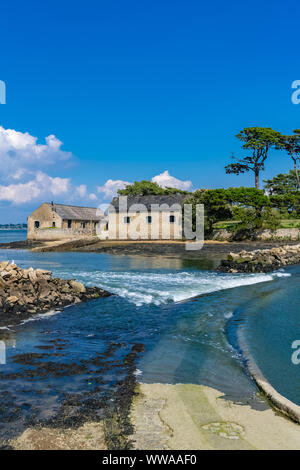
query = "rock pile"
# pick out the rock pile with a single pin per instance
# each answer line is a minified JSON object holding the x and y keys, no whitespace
{"x":261,"y":260}
{"x":24,"y":292}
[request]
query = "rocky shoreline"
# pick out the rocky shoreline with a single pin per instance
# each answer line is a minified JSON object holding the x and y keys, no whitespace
{"x":261,"y":261}
{"x":26,"y":292}
{"x":211,"y":250}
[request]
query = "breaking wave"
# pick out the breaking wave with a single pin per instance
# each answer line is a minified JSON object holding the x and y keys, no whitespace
{"x":158,"y":288}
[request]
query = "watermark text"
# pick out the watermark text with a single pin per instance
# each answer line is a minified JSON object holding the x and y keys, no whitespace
{"x":296,"y":354}
{"x":2,"y":92}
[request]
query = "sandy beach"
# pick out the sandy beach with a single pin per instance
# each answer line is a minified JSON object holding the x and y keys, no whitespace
{"x":178,"y":417}
{"x":189,"y":417}
{"x":90,"y":436}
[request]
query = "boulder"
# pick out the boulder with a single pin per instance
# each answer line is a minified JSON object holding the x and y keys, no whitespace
{"x":43,"y":272}
{"x":32,"y":276}
{"x":12,"y":299}
{"x":3,"y":265}
{"x":77,"y":286}
{"x":261,"y":260}
{"x":27,"y":291}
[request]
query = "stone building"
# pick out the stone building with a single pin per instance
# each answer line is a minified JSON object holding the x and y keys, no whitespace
{"x":57,"y":221}
{"x":145,"y":218}
{"x":129,"y":218}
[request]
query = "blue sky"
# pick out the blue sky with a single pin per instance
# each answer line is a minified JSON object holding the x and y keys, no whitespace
{"x":134,"y":88}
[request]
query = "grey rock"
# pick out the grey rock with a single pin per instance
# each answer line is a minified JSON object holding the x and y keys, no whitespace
{"x":27,"y":291}
{"x":261,"y":260}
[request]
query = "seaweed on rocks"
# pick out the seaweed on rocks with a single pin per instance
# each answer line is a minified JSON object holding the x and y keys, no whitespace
{"x":118,"y":426}
{"x":108,"y":386}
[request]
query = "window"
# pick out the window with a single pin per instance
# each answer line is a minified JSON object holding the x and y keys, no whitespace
{"x":36,"y":224}
{"x":149,"y":219}
{"x":69,"y":223}
{"x":126,"y":220}
{"x":106,"y":226}
{"x":53,"y":224}
{"x":172,"y":219}
{"x":83,"y":224}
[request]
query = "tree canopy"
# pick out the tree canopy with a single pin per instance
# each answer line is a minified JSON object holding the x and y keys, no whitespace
{"x":291,"y":144}
{"x":258,"y":141}
{"x":250,"y":206}
{"x":146,"y":188}
{"x":282,"y":183}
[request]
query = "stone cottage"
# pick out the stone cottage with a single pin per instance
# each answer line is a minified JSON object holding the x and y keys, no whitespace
{"x":145,"y":218}
{"x":53,"y":221}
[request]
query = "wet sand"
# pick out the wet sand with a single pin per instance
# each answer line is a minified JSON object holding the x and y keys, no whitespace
{"x":90,"y":436}
{"x":190,"y":417}
{"x":177,"y":417}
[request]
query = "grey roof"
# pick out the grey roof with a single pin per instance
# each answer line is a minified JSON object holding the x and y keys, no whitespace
{"x":75,"y":212}
{"x":148,"y":201}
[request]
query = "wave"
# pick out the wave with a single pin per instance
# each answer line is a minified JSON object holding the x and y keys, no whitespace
{"x":281,"y":274}
{"x":156,"y":288}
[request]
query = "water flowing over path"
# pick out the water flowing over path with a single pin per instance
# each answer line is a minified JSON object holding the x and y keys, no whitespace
{"x":184,"y":315}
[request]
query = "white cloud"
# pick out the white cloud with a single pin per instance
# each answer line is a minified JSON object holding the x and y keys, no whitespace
{"x":20,"y":153}
{"x":19,"y":193}
{"x":166,"y":180}
{"x":81,"y":190}
{"x":22,"y":178}
{"x":20,"y":173}
{"x":24,"y":172}
{"x":42,"y":186}
{"x":111,"y":187}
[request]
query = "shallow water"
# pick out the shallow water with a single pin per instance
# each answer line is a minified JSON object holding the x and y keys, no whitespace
{"x":7,"y":236}
{"x":270,"y":324}
{"x":184,"y":315}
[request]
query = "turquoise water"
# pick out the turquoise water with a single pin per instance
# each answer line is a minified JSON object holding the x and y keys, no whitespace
{"x":185,"y":316}
{"x":7,"y":236}
{"x":270,"y":323}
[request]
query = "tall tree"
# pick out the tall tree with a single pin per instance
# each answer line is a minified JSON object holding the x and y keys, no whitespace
{"x":291,"y":144}
{"x":250,"y":206}
{"x":257,"y":140}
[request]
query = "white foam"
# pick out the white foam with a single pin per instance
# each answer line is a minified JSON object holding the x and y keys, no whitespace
{"x":157,"y":288}
{"x":281,"y":274}
{"x":41,"y":316}
{"x":228,"y":315}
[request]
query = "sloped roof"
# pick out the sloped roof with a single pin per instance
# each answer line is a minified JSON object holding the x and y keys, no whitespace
{"x":75,"y":212}
{"x":150,"y":200}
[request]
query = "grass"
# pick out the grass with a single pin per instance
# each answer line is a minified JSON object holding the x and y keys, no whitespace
{"x":226,"y":224}
{"x":285,"y":223}
{"x":290,"y":223}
